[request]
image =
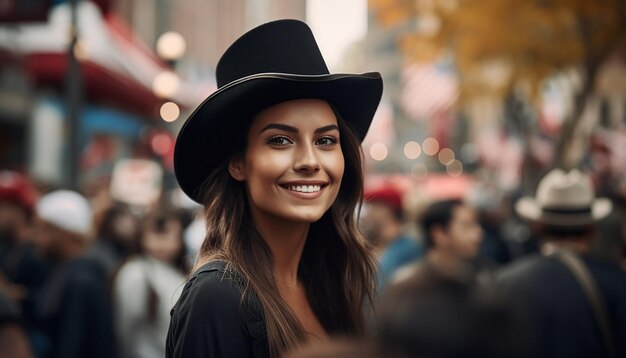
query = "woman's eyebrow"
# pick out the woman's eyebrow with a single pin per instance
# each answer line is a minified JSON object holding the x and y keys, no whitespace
{"x":326,"y":128}
{"x":289,"y":128}
{"x":283,"y":127}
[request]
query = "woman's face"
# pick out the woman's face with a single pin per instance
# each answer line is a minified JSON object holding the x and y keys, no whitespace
{"x":293,"y":164}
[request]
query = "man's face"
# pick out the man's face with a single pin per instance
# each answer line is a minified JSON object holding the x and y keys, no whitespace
{"x":12,"y":219}
{"x":49,"y":240}
{"x":379,"y":224}
{"x":463,"y":235}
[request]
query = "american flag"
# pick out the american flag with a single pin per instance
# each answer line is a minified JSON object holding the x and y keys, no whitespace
{"x":428,"y":89}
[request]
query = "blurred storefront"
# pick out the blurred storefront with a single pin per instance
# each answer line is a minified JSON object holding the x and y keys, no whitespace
{"x":119,"y":112}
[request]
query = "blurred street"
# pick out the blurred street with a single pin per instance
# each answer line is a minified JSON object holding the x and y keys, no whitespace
{"x":500,"y":141}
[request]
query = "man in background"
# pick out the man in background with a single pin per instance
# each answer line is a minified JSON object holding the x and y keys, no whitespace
{"x":73,"y":308}
{"x":452,"y":233}
{"x":576,"y":303}
{"x":383,"y":225}
{"x":22,"y":270}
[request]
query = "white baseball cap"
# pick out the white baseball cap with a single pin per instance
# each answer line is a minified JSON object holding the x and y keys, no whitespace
{"x":67,"y":210}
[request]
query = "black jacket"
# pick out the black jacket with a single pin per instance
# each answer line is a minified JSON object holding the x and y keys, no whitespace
{"x":564,"y":323}
{"x":75,"y":311}
{"x":211,"y":320}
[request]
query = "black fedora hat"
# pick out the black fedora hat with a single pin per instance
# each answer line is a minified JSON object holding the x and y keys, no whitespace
{"x":273,"y":63}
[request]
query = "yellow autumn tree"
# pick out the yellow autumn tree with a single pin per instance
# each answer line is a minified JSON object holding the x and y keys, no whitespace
{"x":520,"y":42}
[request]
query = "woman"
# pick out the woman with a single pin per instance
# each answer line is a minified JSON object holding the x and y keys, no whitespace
{"x":117,"y":233}
{"x":146,"y":286}
{"x":274,"y":157}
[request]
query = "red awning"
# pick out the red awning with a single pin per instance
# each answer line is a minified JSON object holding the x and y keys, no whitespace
{"x":117,"y":68}
{"x":100,"y":84}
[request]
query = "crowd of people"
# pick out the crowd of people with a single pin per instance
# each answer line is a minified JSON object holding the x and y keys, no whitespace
{"x":78,"y":283}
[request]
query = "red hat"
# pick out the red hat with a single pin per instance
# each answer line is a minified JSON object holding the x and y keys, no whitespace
{"x":17,"y":188}
{"x":387,"y":195}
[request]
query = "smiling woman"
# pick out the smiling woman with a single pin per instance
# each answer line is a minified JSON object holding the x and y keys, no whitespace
{"x":293,"y":164}
{"x":280,"y":178}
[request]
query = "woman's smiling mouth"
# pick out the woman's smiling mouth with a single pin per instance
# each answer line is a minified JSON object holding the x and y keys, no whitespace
{"x":305,"y":188}
{"x":300,"y":188}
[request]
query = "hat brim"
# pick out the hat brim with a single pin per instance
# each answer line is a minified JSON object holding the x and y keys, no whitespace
{"x":529,"y":209}
{"x":206,"y":139}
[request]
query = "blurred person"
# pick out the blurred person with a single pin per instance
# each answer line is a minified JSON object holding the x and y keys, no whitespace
{"x":429,"y":311}
{"x":194,"y":236}
{"x":492,"y":212}
{"x":609,"y":242}
{"x":13,"y":339}
{"x":148,"y":285}
{"x":451,"y":233}
{"x":22,"y":270}
{"x":116,"y":237}
{"x":382,"y":224}
{"x":576,"y":303}
{"x":73,"y":307}
{"x":274,"y":155}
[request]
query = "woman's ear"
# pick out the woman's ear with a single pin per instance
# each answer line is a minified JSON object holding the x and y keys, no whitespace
{"x":235,"y":169}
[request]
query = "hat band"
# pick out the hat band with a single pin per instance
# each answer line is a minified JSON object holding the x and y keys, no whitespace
{"x":567,"y":210}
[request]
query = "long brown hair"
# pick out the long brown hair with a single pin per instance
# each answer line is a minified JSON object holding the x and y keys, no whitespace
{"x":336,"y":268}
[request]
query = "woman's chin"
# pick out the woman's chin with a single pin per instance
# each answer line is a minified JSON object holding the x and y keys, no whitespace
{"x":307,"y":216}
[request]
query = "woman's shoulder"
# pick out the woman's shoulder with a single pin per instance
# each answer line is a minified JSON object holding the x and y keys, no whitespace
{"x":213,"y":318}
{"x":214,"y":288}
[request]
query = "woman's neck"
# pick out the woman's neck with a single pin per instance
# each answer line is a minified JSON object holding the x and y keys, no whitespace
{"x":286,"y":240}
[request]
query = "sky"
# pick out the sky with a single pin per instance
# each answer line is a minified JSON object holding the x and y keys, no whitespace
{"x":336,"y":24}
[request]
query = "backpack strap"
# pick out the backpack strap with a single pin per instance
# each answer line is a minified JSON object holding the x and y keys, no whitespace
{"x":580,"y":271}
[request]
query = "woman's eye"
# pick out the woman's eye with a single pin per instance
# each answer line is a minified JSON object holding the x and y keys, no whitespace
{"x":326,"y":141}
{"x":279,"y":140}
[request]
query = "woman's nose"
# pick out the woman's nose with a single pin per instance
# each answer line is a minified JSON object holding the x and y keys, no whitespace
{"x":307,"y":161}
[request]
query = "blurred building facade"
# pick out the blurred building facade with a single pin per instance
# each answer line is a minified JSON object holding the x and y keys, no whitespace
{"x":208,"y":26}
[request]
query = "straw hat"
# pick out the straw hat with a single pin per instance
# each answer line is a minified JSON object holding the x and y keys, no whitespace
{"x":564,"y":199}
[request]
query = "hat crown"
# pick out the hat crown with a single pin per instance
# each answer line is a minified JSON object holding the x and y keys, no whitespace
{"x":283,"y":46}
{"x":562,"y":190}
{"x":67,"y":210}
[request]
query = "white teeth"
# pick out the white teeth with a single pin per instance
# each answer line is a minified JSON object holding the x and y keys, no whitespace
{"x":305,"y":188}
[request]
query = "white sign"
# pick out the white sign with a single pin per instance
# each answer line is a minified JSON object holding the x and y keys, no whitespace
{"x":137,"y":182}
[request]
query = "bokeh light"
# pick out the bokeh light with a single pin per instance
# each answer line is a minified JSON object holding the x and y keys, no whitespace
{"x":446,"y":156}
{"x":161,"y":143}
{"x":455,"y":168}
{"x":169,"y":111}
{"x":412,"y":150}
{"x":430,"y":146}
{"x":171,"y":46}
{"x":379,"y":151}
{"x":166,"y":84}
